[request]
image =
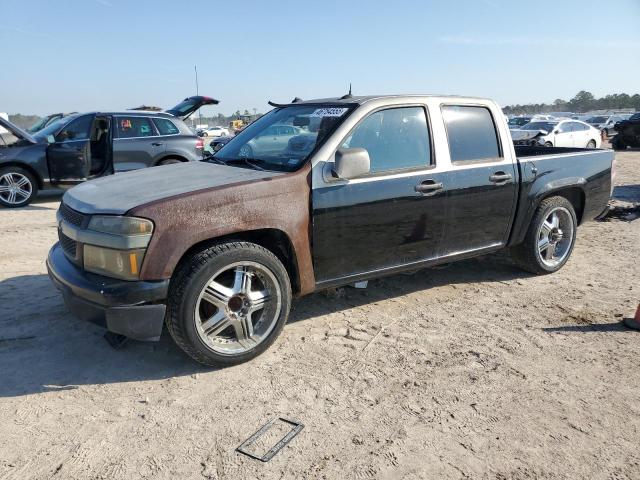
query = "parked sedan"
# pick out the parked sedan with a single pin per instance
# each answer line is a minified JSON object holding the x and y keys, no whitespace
{"x":565,"y":133}
{"x":517,"y":122}
{"x":272,"y":139}
{"x":80,"y":147}
{"x":216,"y":131}
{"x":605,"y":123}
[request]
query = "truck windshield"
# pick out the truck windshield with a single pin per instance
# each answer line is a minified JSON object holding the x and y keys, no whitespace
{"x":284,"y":138}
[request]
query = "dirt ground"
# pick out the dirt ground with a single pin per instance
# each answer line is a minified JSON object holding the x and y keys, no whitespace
{"x":473,"y":370}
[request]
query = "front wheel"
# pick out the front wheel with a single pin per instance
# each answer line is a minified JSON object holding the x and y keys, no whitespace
{"x":591,"y":144}
{"x":18,"y":187}
{"x":618,"y":143}
{"x":550,"y":238}
{"x":548,"y":144}
{"x":228,"y":303}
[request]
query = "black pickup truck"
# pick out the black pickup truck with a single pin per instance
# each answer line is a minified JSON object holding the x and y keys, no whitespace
{"x":354,"y":188}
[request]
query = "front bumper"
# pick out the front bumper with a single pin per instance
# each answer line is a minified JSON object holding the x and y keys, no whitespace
{"x":133,"y":309}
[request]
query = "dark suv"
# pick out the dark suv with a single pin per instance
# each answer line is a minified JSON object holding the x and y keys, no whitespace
{"x":83,"y":146}
{"x":628,"y":133}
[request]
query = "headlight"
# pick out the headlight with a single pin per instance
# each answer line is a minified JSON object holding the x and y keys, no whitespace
{"x":115,"y":245}
{"x":124,"y":264}
{"x":120,"y":225}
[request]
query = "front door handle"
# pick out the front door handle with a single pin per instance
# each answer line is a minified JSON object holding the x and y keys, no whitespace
{"x":428,"y":187}
{"x":157,"y":144}
{"x":500,"y":177}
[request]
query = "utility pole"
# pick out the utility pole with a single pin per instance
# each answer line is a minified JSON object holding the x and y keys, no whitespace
{"x":195,"y":68}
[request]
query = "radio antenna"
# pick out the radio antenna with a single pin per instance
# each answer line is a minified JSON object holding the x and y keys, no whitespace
{"x":348,"y":95}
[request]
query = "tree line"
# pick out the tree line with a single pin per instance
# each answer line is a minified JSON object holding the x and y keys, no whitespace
{"x":583,"y":102}
{"x":25,"y":121}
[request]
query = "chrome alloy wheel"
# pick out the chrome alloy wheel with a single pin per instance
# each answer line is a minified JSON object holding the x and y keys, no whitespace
{"x":238,"y":307}
{"x":15,"y":188}
{"x":555,"y":237}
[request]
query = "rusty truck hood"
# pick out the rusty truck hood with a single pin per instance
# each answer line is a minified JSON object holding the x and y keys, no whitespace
{"x":119,"y":193}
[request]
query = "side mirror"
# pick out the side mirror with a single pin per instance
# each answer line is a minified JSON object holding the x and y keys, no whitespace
{"x":555,"y":132}
{"x":51,"y":139}
{"x":351,"y":163}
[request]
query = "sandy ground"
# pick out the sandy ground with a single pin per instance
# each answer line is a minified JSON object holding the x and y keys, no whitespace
{"x":474,"y":370}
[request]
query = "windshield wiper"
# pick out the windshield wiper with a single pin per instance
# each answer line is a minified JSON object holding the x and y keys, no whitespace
{"x":252,"y":162}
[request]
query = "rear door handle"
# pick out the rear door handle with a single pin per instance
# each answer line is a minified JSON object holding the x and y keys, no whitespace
{"x":428,"y":187}
{"x":157,"y":144}
{"x":500,"y":177}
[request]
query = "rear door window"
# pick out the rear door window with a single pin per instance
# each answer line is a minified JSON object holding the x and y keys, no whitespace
{"x":135,"y":127}
{"x":471,"y":133}
{"x":396,"y":138}
{"x":565,"y":127}
{"x":165,"y":126}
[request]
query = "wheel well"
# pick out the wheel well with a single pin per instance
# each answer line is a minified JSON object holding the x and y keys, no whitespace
{"x":28,"y":168}
{"x":276,"y":241}
{"x":575,"y":195}
{"x":171,"y":157}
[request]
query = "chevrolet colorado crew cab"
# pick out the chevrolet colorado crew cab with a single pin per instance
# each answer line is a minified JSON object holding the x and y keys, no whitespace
{"x":353,"y":188}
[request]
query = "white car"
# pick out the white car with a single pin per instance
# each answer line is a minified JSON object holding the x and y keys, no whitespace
{"x":216,"y":132}
{"x":563,"y":133}
{"x":543,"y":118}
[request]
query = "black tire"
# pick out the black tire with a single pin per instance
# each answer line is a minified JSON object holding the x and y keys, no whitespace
{"x":548,"y":144}
{"x":591,"y":144}
{"x":13,"y":173}
{"x":189,"y":281}
{"x":618,"y":143}
{"x":527,"y":254}
{"x":169,"y":161}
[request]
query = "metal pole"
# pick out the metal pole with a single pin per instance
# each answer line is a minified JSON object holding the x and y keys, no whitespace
{"x":195,"y":67}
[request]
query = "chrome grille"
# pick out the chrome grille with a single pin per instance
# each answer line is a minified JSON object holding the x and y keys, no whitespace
{"x":68,"y":245}
{"x":71,"y":216}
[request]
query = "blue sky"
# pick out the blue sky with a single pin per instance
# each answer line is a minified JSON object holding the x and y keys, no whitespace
{"x":83,"y":55}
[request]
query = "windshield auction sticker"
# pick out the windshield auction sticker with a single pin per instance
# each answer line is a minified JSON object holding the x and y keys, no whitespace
{"x":329,"y":112}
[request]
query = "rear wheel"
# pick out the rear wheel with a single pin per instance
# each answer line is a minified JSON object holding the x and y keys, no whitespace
{"x":246,"y":151}
{"x":228,"y":303}
{"x":169,"y":161}
{"x":550,"y":238}
{"x":18,"y":187}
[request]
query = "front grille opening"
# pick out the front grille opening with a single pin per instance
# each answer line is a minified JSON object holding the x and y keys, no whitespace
{"x":71,"y":216}
{"x":69,"y":246}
